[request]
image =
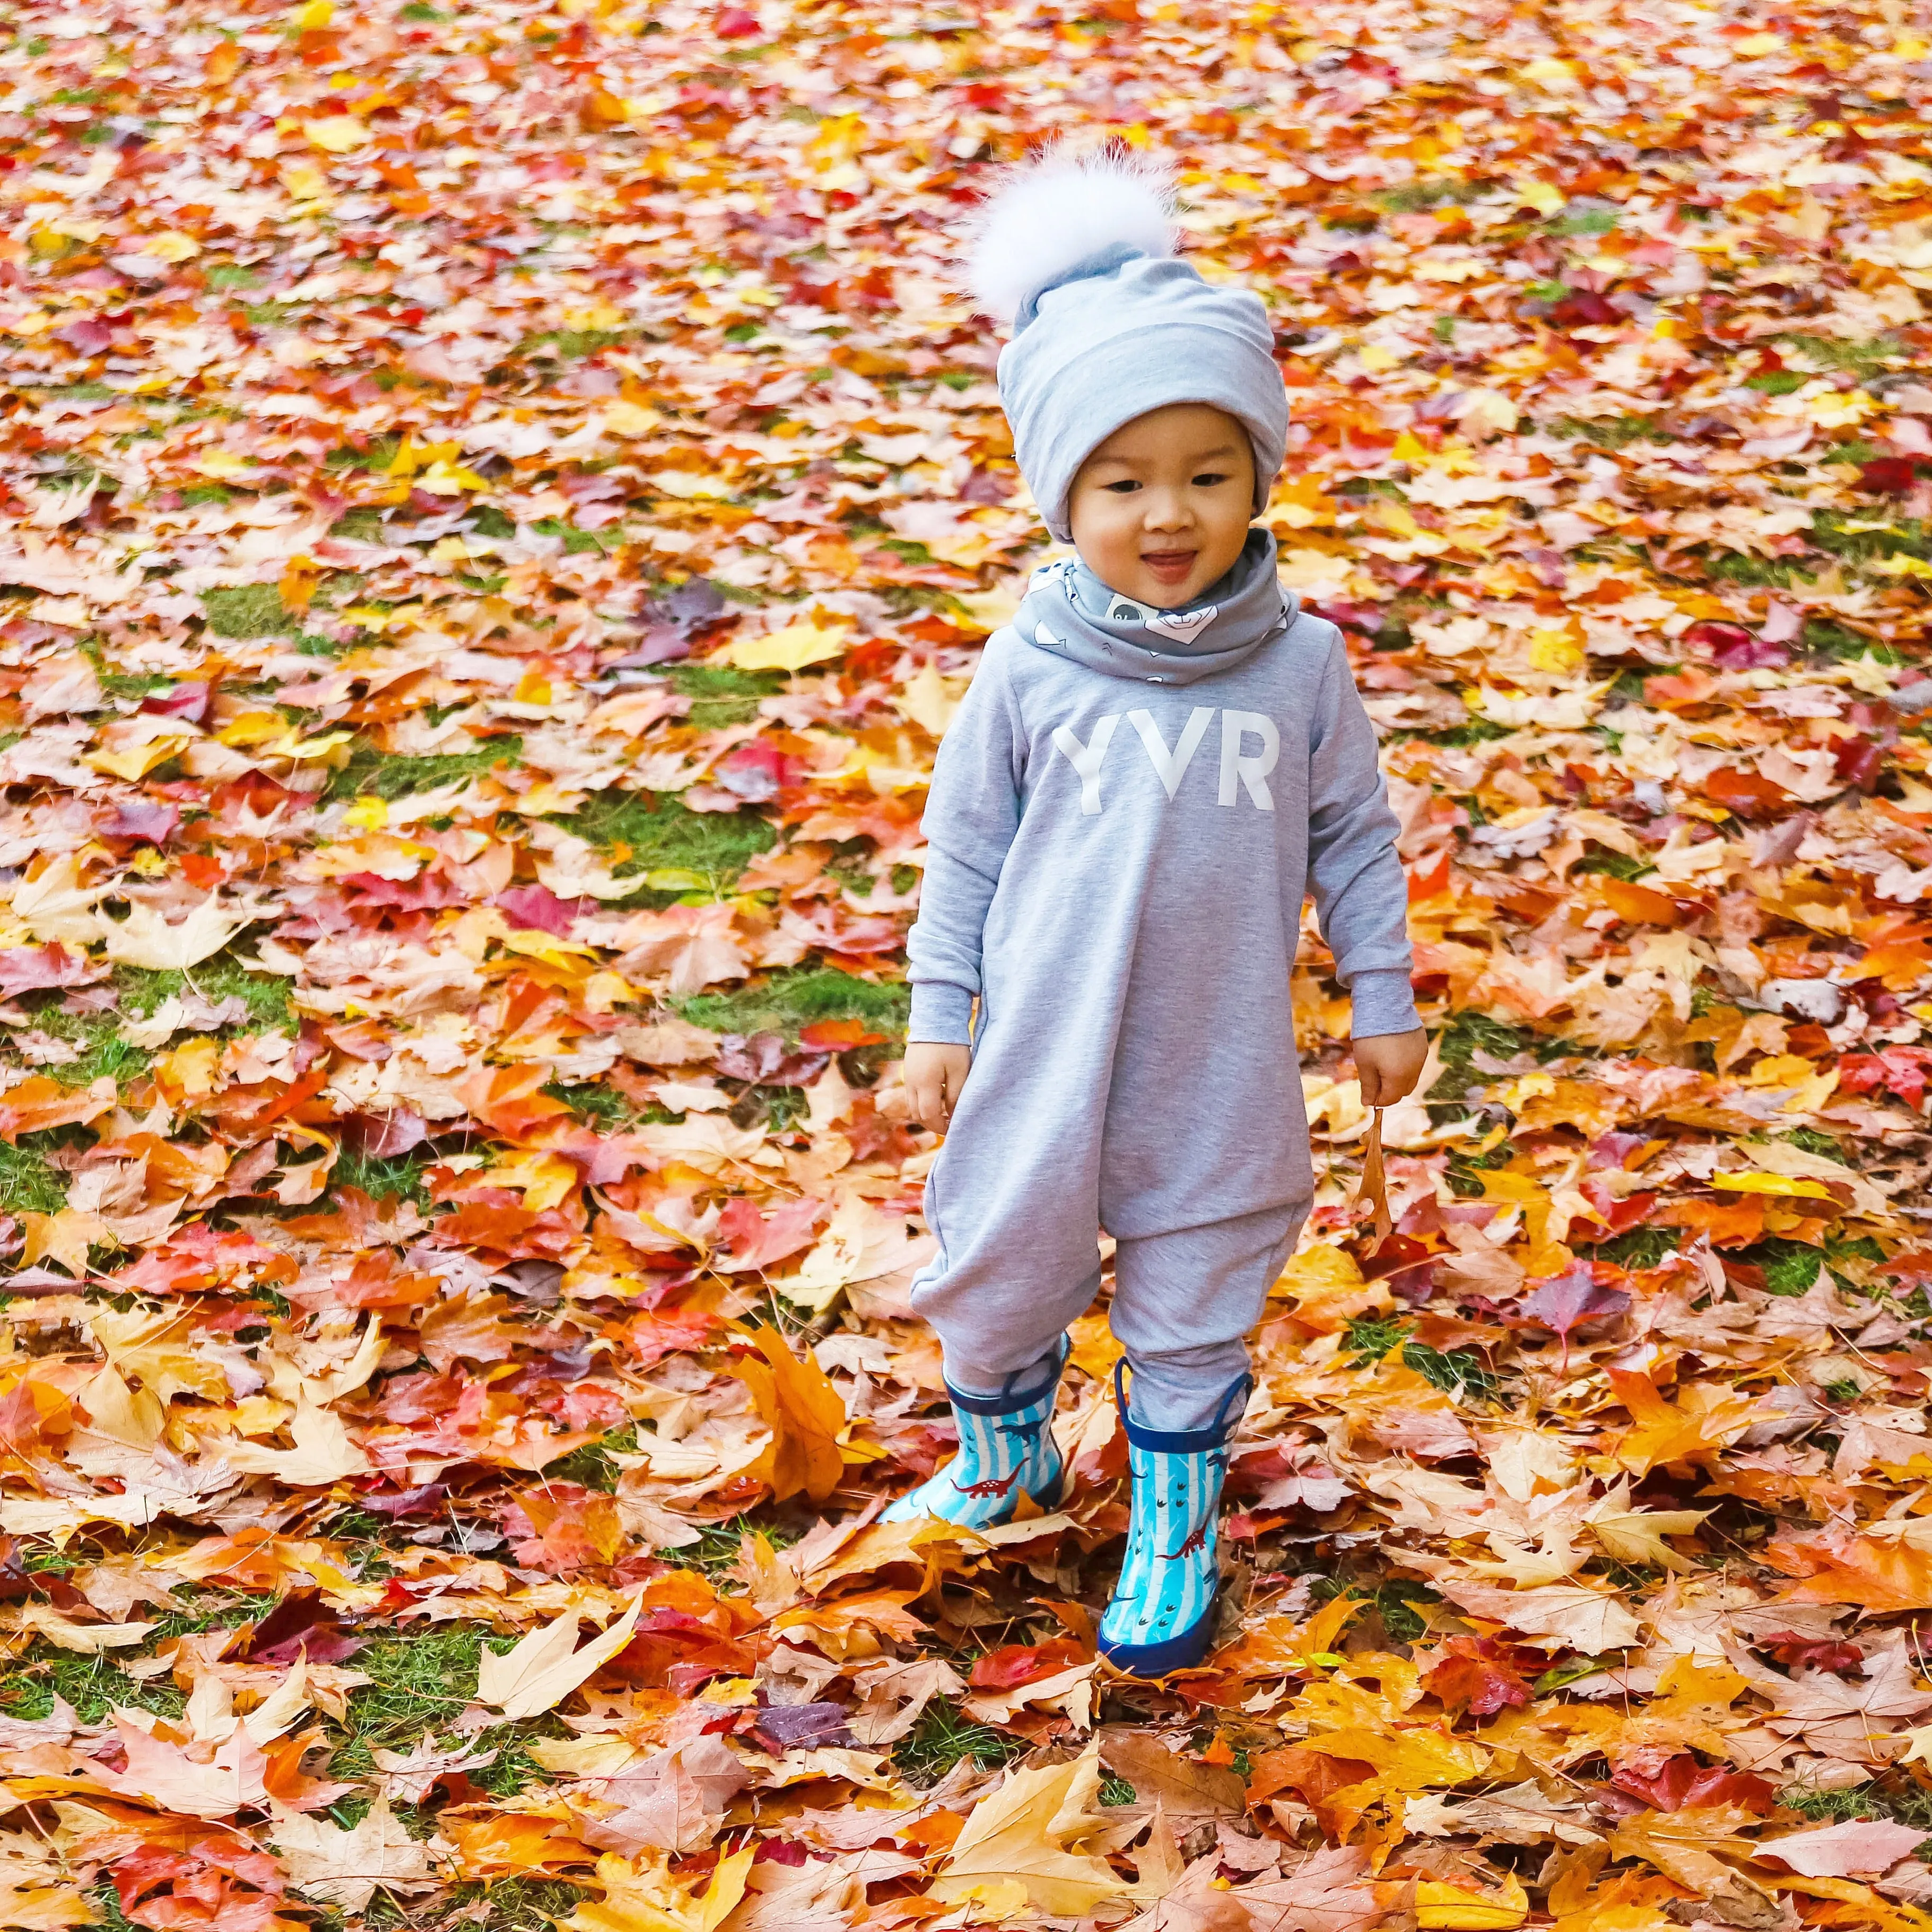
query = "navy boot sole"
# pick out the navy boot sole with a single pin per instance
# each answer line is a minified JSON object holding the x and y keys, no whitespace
{"x":1181,"y":1652}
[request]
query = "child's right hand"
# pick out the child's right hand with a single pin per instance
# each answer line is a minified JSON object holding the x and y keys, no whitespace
{"x":933,"y":1075}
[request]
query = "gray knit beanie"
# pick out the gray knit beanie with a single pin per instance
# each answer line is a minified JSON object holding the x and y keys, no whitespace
{"x":1078,"y":255}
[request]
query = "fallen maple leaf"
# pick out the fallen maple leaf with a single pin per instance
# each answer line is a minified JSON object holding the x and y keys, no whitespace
{"x":324,"y":1451}
{"x":1558,"y":1614}
{"x":345,"y":1868}
{"x":1860,"y":1848}
{"x":1186,"y":1790}
{"x":674,"y":1800}
{"x":1019,"y":1846}
{"x":145,"y":938}
{"x":646,"y":1894}
{"x":1636,"y":1536}
{"x":1327,"y":1892}
{"x":796,"y":1399}
{"x":1569,"y":1300}
{"x":544,"y":1667}
{"x":217,"y":1785}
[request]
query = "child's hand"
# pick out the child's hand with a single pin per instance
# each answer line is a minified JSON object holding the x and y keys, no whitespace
{"x":933,"y":1075}
{"x":1388,"y":1065}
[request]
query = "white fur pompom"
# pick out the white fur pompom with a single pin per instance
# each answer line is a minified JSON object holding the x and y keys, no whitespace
{"x":1050,"y":216}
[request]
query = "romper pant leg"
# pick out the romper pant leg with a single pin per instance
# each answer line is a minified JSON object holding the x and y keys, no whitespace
{"x":1004,"y":1291}
{"x":1184,"y":1303}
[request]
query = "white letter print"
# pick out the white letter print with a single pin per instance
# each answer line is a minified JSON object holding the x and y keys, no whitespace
{"x":1251,"y":770}
{"x":1085,"y":759}
{"x":1171,"y":767}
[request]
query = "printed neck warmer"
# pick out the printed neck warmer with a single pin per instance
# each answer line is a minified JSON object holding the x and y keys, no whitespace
{"x":1069,"y":611}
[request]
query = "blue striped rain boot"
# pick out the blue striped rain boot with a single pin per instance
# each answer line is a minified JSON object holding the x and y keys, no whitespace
{"x":1006,"y":1445}
{"x":1162,"y":1617}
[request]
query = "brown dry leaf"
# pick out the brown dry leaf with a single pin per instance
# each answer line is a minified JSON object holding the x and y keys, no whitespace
{"x":346,"y":1868}
{"x":1186,"y":1790}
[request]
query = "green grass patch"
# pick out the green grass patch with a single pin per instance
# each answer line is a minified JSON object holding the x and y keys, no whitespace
{"x":720,"y":695}
{"x":594,"y":1465}
{"x":419,"y":1681}
{"x":1755,"y":573}
{"x":232,"y":275}
{"x":141,"y":989}
{"x":363,"y":524}
{"x":94,"y":1686}
{"x":664,"y":836}
{"x":603,"y":1106}
{"x":1459,"y":1373}
{"x":371,"y":772}
{"x":1612,"y":432}
{"x":1640,"y":1248}
{"x":1790,"y":1267}
{"x":1394,"y":1602}
{"x":1418,"y":197}
{"x":1864,"y":358}
{"x":942,"y":1737}
{"x":386,"y":1176}
{"x":1834,"y":531}
{"x":134,"y":684}
{"x":29,"y":1184}
{"x":1905,"y":1803}
{"x":104,"y":1053}
{"x":1465,"y":1035}
{"x":571,"y":344}
{"x":1827,"y":1147}
{"x":787,"y":1002}
{"x":512,"y":1904}
{"x":1370,"y":1337}
{"x":1477,"y":731}
{"x":247,"y":610}
{"x":1466,"y":1168}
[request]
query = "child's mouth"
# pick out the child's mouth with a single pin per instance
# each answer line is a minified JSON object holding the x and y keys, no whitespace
{"x":1171,"y":566}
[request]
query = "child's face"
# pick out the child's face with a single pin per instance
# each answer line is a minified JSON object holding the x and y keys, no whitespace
{"x":1161,"y":507}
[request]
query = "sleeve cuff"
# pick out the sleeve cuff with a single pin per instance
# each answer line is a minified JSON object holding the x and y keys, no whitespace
{"x":1384,"y":1003}
{"x":942,"y":1014}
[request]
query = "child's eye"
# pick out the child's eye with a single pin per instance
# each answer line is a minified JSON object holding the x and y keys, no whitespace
{"x":1125,"y":488}
{"x":1208,"y":478}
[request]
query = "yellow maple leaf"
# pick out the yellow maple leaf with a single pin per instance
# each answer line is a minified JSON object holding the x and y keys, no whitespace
{"x":1771,"y":1183}
{"x":806,"y":1416}
{"x":1020,"y":1845}
{"x":1454,"y":1908}
{"x":645,"y":1898}
{"x":789,"y":648}
{"x":545,"y":1666}
{"x":337,"y":133}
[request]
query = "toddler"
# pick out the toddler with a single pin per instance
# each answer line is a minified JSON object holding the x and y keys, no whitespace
{"x":1157,"y":760}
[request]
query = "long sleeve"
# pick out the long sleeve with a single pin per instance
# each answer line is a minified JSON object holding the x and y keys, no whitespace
{"x":1361,"y":894}
{"x":972,"y":813}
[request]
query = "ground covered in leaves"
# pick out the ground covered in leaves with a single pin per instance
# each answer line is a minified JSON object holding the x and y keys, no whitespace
{"x":500,"y":506}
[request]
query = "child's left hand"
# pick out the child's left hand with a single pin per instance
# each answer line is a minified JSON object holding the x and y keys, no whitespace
{"x":1388,"y":1065}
